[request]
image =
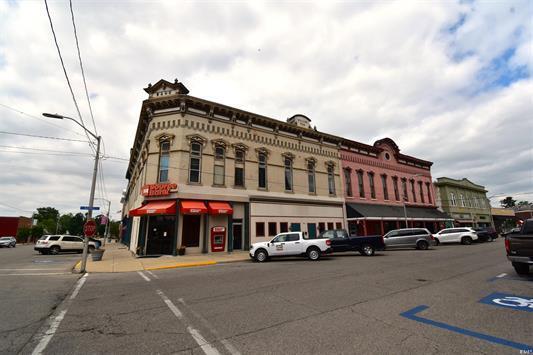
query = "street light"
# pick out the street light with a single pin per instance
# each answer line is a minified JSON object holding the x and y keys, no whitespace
{"x":95,"y":171}
{"x":404,"y":208}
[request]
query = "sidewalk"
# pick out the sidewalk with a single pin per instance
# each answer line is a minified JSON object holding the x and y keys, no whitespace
{"x":117,"y":258}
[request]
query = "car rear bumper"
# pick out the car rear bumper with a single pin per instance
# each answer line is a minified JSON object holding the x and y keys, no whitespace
{"x":38,"y":247}
{"x":327,"y":251}
{"x":520,"y":259}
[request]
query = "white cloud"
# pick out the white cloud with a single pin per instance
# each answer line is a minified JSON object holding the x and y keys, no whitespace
{"x":362,"y":70}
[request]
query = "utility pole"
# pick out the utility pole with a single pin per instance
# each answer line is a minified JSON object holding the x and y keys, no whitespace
{"x":93,"y":184}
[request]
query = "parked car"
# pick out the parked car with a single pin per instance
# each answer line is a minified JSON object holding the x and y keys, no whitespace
{"x":8,"y":242}
{"x":341,"y":241}
{"x":290,"y":244}
{"x":419,"y":238}
{"x":487,"y":234}
{"x":463,"y":235}
{"x":519,"y":248}
{"x":54,"y":244}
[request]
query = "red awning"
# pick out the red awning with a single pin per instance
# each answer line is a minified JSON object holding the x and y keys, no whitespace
{"x":192,"y":207}
{"x":155,"y":207}
{"x":219,"y":208}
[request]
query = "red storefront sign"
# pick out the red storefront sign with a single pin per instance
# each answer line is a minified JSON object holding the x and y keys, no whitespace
{"x":157,"y":189}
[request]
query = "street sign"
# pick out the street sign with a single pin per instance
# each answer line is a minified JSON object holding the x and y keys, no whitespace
{"x":89,"y":228}
{"x":94,"y":208}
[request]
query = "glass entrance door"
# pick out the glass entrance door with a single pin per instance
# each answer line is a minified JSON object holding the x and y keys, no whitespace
{"x":237,"y":234}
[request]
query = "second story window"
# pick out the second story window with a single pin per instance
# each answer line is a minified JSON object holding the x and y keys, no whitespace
{"x":164,"y":155}
{"x":413,"y":190}
{"x":453,"y":202}
{"x":360,"y":183}
{"x":421,"y":190}
{"x":288,"y":173}
{"x":239,"y":167}
{"x":385,"y":188}
{"x":372,"y":185}
{"x":331,"y":179}
{"x":262,"y":166}
{"x":219,"y":165}
{"x":404,"y":190}
{"x":462,"y":200}
{"x":311,"y":176}
{"x":429,"y":192}
{"x":395,"y":186}
{"x":195,"y":162}
{"x":348,"y":182}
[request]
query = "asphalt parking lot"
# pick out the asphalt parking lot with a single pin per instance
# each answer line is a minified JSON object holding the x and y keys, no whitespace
{"x":32,"y":286}
{"x":401,"y":302}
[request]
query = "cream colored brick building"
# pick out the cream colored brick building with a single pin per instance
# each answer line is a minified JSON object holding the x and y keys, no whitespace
{"x":198,"y":168}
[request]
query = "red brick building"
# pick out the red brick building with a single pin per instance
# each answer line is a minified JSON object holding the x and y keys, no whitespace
{"x":9,"y":226}
{"x":385,"y":189}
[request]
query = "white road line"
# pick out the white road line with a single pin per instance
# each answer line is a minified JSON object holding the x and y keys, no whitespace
{"x":146,"y":278}
{"x":78,"y":286}
{"x":55,"y":321}
{"x":153,"y":275}
{"x":227,"y":344}
{"x":49,"y":269}
{"x":37,"y":274}
{"x":501,"y":275}
{"x":49,"y":333}
{"x":207,"y":348}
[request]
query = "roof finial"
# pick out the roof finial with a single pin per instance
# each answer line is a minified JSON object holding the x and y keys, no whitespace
{"x":176,"y":81}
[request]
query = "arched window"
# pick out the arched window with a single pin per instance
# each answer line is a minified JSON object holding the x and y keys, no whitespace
{"x":348,"y":182}
{"x":395,"y":186}
{"x":164,"y":155}
{"x":361,"y":183}
{"x":311,"y":176}
{"x":385,"y":188}
{"x":372,"y":185}
{"x":421,"y":190}
{"x":453,"y":202}
{"x":219,"y":166}
{"x":462,"y":199}
{"x":288,"y":173}
{"x":195,"y":162}
{"x":413,"y":189}
{"x":404,"y":190}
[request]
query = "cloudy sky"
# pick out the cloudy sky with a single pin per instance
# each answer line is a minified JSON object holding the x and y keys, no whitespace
{"x":450,"y":82}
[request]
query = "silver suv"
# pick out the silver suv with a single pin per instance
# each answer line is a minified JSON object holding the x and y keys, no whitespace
{"x":54,"y":244}
{"x":463,"y":235}
{"x":9,"y":242}
{"x":419,"y":238}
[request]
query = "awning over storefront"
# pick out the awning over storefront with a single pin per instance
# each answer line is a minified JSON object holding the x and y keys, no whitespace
{"x":192,"y":207}
{"x":155,"y":207}
{"x":219,"y":208}
{"x":371,"y":211}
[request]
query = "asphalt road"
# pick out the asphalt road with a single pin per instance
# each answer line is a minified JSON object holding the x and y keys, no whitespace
{"x":31,"y":287}
{"x":344,"y":304}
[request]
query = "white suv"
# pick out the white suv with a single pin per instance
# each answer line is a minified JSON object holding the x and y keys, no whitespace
{"x":463,"y":235}
{"x":54,"y":244}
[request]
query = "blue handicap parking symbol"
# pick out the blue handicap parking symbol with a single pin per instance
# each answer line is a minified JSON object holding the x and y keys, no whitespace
{"x":520,"y":303}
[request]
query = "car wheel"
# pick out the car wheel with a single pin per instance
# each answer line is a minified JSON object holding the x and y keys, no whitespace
{"x":422,"y":245}
{"x":54,"y":250}
{"x":521,"y":268}
{"x":466,"y":240}
{"x":261,"y":255}
{"x":367,"y":250}
{"x":313,"y":253}
{"x":91,"y":248}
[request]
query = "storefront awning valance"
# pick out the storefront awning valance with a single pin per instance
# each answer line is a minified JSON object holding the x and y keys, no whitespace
{"x":155,"y":207}
{"x":362,"y":210}
{"x":219,"y":208}
{"x":192,"y":207}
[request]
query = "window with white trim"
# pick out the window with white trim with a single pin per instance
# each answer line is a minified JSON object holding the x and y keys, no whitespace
{"x":195,"y":162}
{"x":164,"y":156}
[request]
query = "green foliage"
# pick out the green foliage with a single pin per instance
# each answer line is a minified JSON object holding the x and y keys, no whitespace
{"x":114,"y":226}
{"x":47,"y":218}
{"x":508,"y":202}
{"x":523,"y":203}
{"x":23,"y":235}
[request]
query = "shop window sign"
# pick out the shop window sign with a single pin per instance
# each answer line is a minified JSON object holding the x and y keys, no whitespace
{"x":158,"y":189}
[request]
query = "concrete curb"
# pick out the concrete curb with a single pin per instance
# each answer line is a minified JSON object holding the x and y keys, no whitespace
{"x":180,"y":265}
{"x":75,"y":267}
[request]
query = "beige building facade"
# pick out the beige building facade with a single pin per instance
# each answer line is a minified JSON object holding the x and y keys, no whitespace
{"x":212,"y":178}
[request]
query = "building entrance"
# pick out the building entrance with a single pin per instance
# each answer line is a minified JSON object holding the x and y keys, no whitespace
{"x":160,"y":235}
{"x":190,"y":235}
{"x":237,"y":234}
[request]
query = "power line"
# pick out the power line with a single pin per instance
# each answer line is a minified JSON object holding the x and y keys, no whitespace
{"x":50,"y":154}
{"x":13,"y":207}
{"x":65,"y":71}
{"x":44,"y":150}
{"x":47,"y":137}
{"x":39,"y":118}
{"x":81,"y":66}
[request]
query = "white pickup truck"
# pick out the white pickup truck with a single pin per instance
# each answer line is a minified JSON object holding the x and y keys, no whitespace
{"x":290,"y":244}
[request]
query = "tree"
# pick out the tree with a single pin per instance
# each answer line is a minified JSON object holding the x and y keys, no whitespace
{"x":47,"y":218}
{"x":23,"y":235}
{"x":114,"y":226}
{"x":523,"y":203}
{"x":508,"y":202}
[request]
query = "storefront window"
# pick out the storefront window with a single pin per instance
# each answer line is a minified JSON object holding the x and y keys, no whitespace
{"x":272,"y":229}
{"x":288,"y":174}
{"x":260,"y":229}
{"x":195,"y":162}
{"x":348,"y":182}
{"x":262,"y":183}
{"x":164,"y":149}
{"x":283,"y":227}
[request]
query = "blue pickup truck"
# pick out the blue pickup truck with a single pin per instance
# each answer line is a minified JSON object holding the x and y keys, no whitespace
{"x":341,"y":241}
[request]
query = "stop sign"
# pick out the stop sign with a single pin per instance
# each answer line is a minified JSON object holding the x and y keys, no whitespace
{"x":89,"y":228}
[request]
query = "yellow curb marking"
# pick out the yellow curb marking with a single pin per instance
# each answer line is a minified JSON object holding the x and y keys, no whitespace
{"x":174,"y":266}
{"x":77,"y":264}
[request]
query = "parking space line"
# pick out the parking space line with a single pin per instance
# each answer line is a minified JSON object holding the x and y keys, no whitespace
{"x":55,"y":320}
{"x":501,"y":275}
{"x":411,"y":314}
{"x":206,"y":347}
{"x":146,"y":278}
{"x":37,"y":274}
{"x":153,"y":275}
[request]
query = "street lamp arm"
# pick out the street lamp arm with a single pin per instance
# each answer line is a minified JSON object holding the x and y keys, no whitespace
{"x":61,"y":117}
